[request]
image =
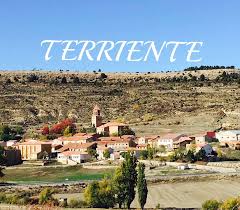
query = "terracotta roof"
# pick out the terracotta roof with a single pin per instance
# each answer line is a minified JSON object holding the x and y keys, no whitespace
{"x":69,"y":153}
{"x":33,"y":142}
{"x":76,"y":146}
{"x":171,"y":136}
{"x":73,"y":138}
{"x":182,"y":139}
{"x":109,"y":124}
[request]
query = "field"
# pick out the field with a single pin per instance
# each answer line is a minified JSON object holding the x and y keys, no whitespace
{"x":185,"y":194}
{"x":53,"y":175}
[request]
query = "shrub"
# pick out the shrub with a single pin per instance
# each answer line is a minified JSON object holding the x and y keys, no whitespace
{"x":45,"y":196}
{"x":231,"y":203}
{"x":210,"y":205}
{"x":73,"y":203}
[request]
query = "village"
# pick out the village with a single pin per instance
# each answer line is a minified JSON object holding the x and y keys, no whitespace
{"x":111,"y":140}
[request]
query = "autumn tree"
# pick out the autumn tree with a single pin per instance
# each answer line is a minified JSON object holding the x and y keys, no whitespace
{"x":142,"y":185}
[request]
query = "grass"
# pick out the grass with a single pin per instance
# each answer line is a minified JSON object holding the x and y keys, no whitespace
{"x":172,"y":171}
{"x":54,"y":175}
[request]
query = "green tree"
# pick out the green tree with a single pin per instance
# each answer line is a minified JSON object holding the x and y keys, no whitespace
{"x":125,"y":180}
{"x":106,"y":154}
{"x":119,"y":186}
{"x":130,"y":177}
{"x":210,"y":205}
{"x":142,"y":185}
{"x":100,"y":194}
{"x":93,"y":153}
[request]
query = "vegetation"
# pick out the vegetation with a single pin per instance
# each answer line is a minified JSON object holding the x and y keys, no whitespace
{"x":100,"y":194}
{"x":106,"y":154}
{"x":230,"y":203}
{"x":120,"y":189}
{"x":10,"y":132}
{"x":195,"y":68}
{"x":66,"y":127}
{"x":142,"y":185}
{"x":188,"y":155}
{"x":45,"y":196}
{"x":73,"y":203}
{"x":54,"y":175}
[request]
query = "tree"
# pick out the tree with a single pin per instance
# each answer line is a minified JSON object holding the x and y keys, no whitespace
{"x":210,"y":205}
{"x":125,"y":180}
{"x":231,"y":203}
{"x":142,"y":185}
{"x":100,"y":194}
{"x":106,"y":154}
{"x":45,"y":130}
{"x":92,"y":152}
{"x":130,"y":177}
{"x":67,"y":131}
{"x":119,"y":186}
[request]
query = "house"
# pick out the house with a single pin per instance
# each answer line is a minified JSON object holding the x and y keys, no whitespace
{"x":112,"y":129}
{"x":149,"y":140}
{"x":11,"y":143}
{"x":34,"y":149}
{"x":228,"y":135}
{"x":107,"y":129}
{"x":78,"y":147}
{"x":80,"y":139}
{"x":206,"y":147}
{"x":100,"y":151}
{"x":116,"y":143}
{"x":199,"y":138}
{"x":168,"y":140}
{"x":142,"y":146}
{"x":181,"y":142}
{"x":73,"y":157}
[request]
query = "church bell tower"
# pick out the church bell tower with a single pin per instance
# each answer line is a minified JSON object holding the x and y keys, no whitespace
{"x":96,"y":117}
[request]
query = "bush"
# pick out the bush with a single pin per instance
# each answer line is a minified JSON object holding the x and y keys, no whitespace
{"x":45,"y":196}
{"x":210,"y":205}
{"x":73,"y":203}
{"x":231,"y":203}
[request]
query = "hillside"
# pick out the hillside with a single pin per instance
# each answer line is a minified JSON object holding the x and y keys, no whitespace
{"x":151,"y":102}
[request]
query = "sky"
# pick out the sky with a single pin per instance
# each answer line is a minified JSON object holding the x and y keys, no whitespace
{"x":25,"y":24}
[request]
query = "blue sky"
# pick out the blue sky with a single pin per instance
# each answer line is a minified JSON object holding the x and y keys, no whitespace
{"x":24,"y":24}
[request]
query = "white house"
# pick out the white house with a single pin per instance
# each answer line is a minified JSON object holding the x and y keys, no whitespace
{"x":168,"y":140}
{"x":228,"y":135}
{"x":73,"y":157}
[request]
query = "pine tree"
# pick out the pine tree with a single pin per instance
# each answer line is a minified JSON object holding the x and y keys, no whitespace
{"x":142,"y":185}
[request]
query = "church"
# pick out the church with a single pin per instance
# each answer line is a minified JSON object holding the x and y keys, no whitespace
{"x":109,"y":128}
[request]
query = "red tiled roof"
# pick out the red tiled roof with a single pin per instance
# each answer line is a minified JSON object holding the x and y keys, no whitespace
{"x":33,"y":142}
{"x":182,"y":139}
{"x":171,"y":136}
{"x":109,"y":124}
{"x":69,"y":153}
{"x":74,"y":138}
{"x":76,"y":146}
